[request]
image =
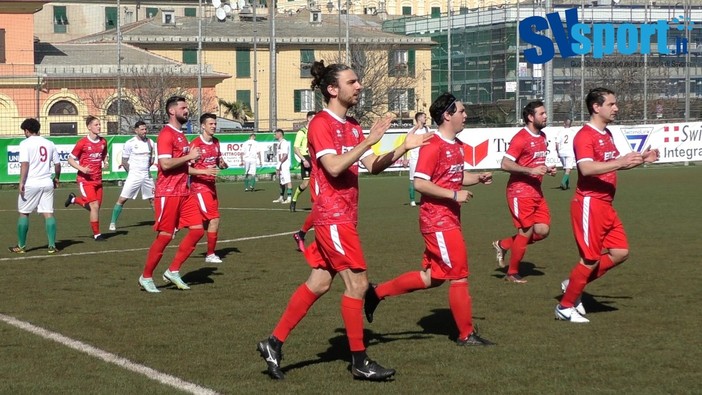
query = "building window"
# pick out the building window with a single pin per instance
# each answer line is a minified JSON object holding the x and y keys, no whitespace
{"x":366,"y":100}
{"x":406,"y":10}
{"x":63,"y":107}
{"x":189,"y":56}
{"x":60,"y":19}
{"x":151,"y":12}
{"x":110,"y":18}
{"x":63,"y":129}
{"x":243,"y":63}
{"x":304,"y":100}
{"x":190,"y":11}
{"x":435,"y":12}
{"x":3,"y":59}
{"x":306,"y":60}
{"x":244,"y":97}
{"x":401,"y":62}
{"x":401,"y":101}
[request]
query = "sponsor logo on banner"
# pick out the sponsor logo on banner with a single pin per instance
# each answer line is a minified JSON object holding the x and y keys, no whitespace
{"x":475,"y":154}
{"x":637,"y":137}
{"x":671,"y":134}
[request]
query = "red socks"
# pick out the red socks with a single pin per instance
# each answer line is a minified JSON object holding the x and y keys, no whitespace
{"x":155,"y":254}
{"x":461,"y":307}
{"x":506,"y":243}
{"x":95,"y":225}
{"x":404,"y":283}
{"x":300,"y":302}
{"x":186,"y":247}
{"x":518,"y":250}
{"x":351,"y":312}
{"x":211,"y":242}
{"x":578,"y":279}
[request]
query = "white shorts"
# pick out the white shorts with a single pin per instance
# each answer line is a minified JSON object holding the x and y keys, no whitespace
{"x":250,"y":167}
{"x":284,"y":176}
{"x":40,"y":198}
{"x":136,"y":182}
{"x":568,"y":162}
{"x":412,"y":168}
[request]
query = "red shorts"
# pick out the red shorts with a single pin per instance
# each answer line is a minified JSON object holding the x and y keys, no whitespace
{"x":336,"y":248}
{"x":596,"y":227}
{"x":446,"y":255}
{"x":528,"y":211}
{"x":208,"y":204}
{"x":91,"y":192}
{"x":176,"y":212}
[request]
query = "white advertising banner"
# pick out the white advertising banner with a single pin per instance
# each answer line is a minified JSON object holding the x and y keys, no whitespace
{"x":485,"y":147}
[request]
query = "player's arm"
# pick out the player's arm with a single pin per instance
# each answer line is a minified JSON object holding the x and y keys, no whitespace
{"x":125,"y":163}
{"x":24,"y":171}
{"x":73,"y":162}
{"x":167,"y":162}
{"x":589,"y":167}
{"x":476,"y":178}
{"x":376,"y":164}
{"x":510,"y":166}
{"x":428,"y":188}
{"x":207,"y":171}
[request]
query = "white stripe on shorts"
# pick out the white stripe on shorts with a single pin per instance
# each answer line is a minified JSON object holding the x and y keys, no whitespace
{"x":515,"y":207}
{"x":335,"y":238}
{"x":201,"y":202}
{"x":442,"y":247}
{"x":586,"y":220}
{"x":162,"y":203}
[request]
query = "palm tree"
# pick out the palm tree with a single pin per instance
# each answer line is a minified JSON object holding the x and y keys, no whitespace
{"x":237,"y":110}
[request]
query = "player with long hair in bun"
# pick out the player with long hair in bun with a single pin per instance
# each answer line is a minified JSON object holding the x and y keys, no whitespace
{"x":336,"y":145}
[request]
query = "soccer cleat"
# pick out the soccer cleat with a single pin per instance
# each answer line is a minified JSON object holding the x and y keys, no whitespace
{"x":569,"y":314}
{"x":147,"y":284}
{"x":499,"y":253}
{"x":371,"y":302}
{"x":271,"y":351}
{"x":515,"y":278}
{"x":16,"y":249}
{"x":69,"y":199}
{"x":99,"y":237}
{"x":474,"y":340}
{"x":279,"y":200}
{"x":287,"y":201}
{"x":113,"y":226}
{"x":292,"y":206}
{"x":174,"y":278}
{"x":370,"y":370}
{"x":578,"y":302}
{"x":413,"y":203}
{"x":52,"y":250}
{"x":213,"y":258}
{"x":299,"y":238}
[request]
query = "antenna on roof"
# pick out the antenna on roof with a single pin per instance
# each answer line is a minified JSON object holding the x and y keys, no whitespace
{"x":222,"y":9}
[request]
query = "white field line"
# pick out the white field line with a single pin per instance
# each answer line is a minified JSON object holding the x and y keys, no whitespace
{"x":105,"y":208}
{"x":152,"y":374}
{"x":62,"y":255}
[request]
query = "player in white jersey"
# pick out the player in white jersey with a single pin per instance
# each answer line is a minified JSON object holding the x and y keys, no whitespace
{"x":283,"y":167}
{"x":564,"y":147}
{"x":250,"y":158}
{"x":36,"y":187}
{"x":420,"y":127}
{"x":137,"y":158}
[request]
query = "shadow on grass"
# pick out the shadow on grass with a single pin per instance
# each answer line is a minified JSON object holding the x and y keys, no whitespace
{"x":201,"y":276}
{"x":139,"y":224}
{"x":223,"y":252}
{"x":526,"y":269}
{"x":339,"y":347}
{"x":61,"y":245}
{"x":108,"y":236}
{"x":593,"y":305}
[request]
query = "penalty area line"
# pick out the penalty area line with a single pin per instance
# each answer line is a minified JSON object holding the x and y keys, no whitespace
{"x":60,"y":255}
{"x":108,"y":357}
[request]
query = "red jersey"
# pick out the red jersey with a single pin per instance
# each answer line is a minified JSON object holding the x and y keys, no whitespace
{"x":441,"y":162}
{"x":528,"y":150}
{"x":336,"y":200}
{"x":209,"y":159}
{"x":591,"y":144}
{"x":91,"y":154}
{"x":171,"y":143}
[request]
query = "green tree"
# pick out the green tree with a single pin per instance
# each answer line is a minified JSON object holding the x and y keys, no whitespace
{"x":237,"y":110}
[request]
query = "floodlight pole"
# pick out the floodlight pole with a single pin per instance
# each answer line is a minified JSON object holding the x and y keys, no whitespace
{"x":119,"y":70}
{"x":199,"y":60}
{"x":255,"y":64}
{"x":272,"y":107}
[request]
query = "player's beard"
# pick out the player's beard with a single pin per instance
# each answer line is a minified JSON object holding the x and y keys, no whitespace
{"x":182,"y":118}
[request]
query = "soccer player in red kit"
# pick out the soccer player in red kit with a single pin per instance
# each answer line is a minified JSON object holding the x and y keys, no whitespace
{"x":439,"y":177}
{"x":89,"y":157}
{"x":598,"y":231}
{"x":174,"y":206}
{"x":337,"y":144}
{"x":203,"y":174}
{"x":525,"y":160}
